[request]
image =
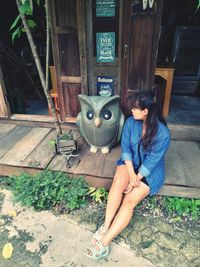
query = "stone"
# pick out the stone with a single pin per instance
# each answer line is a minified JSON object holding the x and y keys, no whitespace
{"x":167,"y":241}
{"x":163,"y":226}
{"x":192,"y":249}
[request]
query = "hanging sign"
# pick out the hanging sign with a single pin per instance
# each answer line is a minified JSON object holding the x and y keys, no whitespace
{"x":105,"y":8}
{"x":105,"y":43}
{"x":105,"y":85}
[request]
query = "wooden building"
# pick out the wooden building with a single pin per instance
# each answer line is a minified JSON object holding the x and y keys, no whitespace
{"x":101,"y":45}
{"x":103,"y":40}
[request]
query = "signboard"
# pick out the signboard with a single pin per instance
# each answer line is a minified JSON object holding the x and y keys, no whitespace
{"x":105,"y":8}
{"x":105,"y":85}
{"x":105,"y":43}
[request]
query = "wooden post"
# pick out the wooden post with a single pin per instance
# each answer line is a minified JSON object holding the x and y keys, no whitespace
{"x":4,"y":106}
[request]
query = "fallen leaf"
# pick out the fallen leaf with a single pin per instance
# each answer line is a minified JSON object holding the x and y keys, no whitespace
{"x":7,"y":251}
{"x":12,"y":213}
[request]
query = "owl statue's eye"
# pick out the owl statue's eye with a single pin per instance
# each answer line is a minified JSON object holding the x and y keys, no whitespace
{"x":106,"y":114}
{"x":90,"y":114}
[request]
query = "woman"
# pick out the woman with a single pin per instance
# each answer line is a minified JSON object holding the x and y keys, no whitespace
{"x":139,"y":173}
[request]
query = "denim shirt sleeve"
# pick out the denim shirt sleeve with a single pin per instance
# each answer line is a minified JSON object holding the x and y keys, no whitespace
{"x":125,"y":141}
{"x":158,"y":150}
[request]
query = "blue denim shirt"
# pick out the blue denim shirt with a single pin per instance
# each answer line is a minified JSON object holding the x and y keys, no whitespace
{"x":152,"y":161}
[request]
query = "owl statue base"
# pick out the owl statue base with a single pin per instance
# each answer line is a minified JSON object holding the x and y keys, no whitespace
{"x":104,"y":150}
{"x":100,"y":121}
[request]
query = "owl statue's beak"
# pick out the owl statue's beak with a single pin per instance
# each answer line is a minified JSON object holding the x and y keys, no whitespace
{"x":97,"y":122}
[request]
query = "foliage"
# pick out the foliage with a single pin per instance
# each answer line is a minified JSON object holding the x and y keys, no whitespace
{"x":47,"y":189}
{"x":5,"y":181}
{"x":98,"y":194}
{"x":66,"y":136}
{"x":63,"y":136}
{"x":17,"y":28}
{"x":183,"y":206}
{"x":198,"y":4}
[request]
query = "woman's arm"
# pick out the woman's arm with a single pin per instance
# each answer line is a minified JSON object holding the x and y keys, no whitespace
{"x":127,"y":154}
{"x":158,"y":150}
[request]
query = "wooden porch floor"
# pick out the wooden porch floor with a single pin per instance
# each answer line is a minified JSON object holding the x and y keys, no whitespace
{"x":28,"y":149}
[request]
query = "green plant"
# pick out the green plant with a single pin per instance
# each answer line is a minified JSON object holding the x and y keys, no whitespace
{"x":98,"y":194}
{"x":66,"y":136}
{"x":47,"y":189}
{"x":183,"y":206}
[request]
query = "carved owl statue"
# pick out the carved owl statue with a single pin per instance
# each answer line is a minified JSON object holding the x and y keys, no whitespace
{"x":100,"y":121}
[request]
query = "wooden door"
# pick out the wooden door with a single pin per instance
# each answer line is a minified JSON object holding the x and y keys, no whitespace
{"x":68,"y":43}
{"x":103,"y":18}
{"x":140,"y":41}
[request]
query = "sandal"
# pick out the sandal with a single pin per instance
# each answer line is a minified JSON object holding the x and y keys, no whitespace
{"x":99,"y":234}
{"x":97,"y":254}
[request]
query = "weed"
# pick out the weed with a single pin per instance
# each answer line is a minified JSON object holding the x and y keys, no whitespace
{"x":182,"y":206}
{"x":47,"y":189}
{"x":98,"y":194}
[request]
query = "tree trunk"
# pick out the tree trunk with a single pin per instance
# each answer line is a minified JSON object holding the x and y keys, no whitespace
{"x":38,"y":63}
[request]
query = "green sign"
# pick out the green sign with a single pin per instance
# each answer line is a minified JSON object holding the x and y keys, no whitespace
{"x":105,"y":8}
{"x":105,"y":43}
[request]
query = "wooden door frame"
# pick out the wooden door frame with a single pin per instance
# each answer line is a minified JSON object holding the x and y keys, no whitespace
{"x":4,"y":105}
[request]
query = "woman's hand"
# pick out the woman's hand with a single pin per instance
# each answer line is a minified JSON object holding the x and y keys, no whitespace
{"x":134,"y":181}
{"x":139,"y":176}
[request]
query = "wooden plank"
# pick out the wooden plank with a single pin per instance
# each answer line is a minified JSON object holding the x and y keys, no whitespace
{"x":24,"y":147}
{"x":190,"y":157}
{"x":8,"y":170}
{"x":174,"y":167}
{"x":180,"y":191}
{"x":57,"y":163}
{"x":82,"y":45}
{"x":42,"y":154}
{"x":110,"y":162}
{"x":26,"y":117}
{"x":99,"y":181}
{"x":70,"y":122}
{"x":11,"y":138}
{"x":185,"y":132}
{"x":71,"y":79}
{"x":92,"y":164}
{"x":5,"y":128}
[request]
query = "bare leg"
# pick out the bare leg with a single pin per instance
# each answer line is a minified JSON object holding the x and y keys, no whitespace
{"x":125,"y":212}
{"x":119,"y":184}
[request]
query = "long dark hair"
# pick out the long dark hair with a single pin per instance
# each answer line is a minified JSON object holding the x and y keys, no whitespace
{"x":147,"y":99}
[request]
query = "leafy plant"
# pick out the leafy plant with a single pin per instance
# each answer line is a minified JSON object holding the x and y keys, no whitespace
{"x":47,"y":189}
{"x":66,"y":136}
{"x":98,"y":194}
{"x":182,"y":206}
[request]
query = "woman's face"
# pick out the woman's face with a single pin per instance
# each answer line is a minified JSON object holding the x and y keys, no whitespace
{"x":139,"y":114}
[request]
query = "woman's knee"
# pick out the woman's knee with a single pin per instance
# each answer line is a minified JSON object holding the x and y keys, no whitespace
{"x":136,"y":196}
{"x":120,"y":179}
{"x":130,"y":201}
